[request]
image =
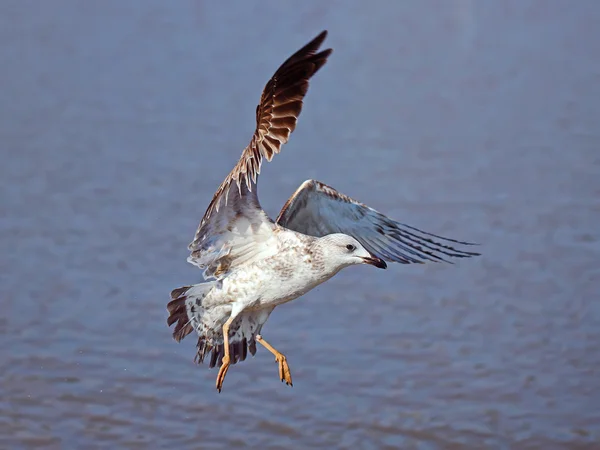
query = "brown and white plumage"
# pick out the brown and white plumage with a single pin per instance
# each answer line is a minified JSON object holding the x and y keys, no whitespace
{"x":252,"y":264}
{"x":235,"y":230}
{"x":213,"y":248}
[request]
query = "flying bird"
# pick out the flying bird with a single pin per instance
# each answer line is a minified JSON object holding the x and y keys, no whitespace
{"x":251,"y":264}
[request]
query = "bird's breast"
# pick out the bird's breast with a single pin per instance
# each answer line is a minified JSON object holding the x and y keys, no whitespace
{"x":290,"y":273}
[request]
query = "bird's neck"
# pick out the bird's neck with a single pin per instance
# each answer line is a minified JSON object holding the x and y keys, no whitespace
{"x":324,"y":266}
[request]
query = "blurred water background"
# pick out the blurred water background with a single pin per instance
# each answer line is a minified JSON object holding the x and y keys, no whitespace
{"x":478,"y":120}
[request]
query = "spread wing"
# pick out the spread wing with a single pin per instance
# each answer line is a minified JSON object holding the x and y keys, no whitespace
{"x":318,"y":210}
{"x":235,"y":229}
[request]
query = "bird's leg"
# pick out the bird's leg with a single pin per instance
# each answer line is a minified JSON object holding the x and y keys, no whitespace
{"x":225,"y":364}
{"x":284,"y":369}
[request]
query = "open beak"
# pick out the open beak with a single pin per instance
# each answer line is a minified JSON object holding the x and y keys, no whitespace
{"x":377,"y":262}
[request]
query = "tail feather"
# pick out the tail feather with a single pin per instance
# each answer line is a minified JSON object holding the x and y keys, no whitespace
{"x":178,"y":307}
{"x":178,"y":313}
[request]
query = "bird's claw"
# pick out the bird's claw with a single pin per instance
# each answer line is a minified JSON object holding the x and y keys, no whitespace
{"x":284,"y":370}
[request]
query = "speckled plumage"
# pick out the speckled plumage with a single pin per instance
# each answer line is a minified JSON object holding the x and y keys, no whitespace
{"x":255,"y":289}
{"x":252,"y":264}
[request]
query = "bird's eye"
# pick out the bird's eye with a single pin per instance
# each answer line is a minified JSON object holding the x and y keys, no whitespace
{"x":350,"y":247}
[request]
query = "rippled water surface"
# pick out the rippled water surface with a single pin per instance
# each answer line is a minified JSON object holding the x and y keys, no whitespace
{"x":476,"y":120}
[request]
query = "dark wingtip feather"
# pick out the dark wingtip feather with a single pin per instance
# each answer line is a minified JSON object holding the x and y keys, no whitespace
{"x":439,"y":237}
{"x":309,"y":49}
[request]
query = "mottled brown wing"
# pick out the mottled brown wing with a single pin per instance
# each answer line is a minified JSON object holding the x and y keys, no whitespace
{"x":234,"y":219}
{"x":318,"y":210}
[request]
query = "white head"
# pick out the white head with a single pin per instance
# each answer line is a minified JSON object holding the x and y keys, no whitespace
{"x":341,"y":250}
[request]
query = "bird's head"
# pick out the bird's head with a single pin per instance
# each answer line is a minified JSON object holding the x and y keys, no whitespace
{"x":343,"y":251}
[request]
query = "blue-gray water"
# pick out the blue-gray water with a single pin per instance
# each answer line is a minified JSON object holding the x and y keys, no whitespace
{"x":476,"y":120}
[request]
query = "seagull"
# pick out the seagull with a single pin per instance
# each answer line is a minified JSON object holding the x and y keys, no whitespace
{"x":252,"y":264}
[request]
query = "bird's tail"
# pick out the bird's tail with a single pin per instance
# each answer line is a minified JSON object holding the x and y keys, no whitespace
{"x":183,"y":299}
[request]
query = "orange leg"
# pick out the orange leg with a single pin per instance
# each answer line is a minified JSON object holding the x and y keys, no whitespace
{"x":284,"y":369}
{"x":226,"y":360}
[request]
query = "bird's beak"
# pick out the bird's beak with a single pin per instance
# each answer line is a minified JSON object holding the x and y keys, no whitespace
{"x":374,"y":261}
